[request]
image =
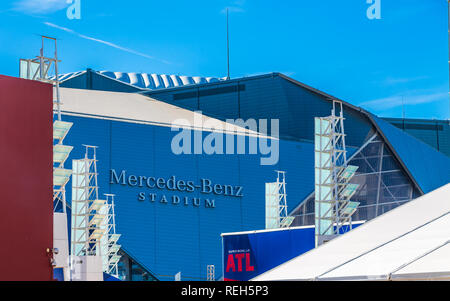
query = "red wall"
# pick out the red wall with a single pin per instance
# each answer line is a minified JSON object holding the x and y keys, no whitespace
{"x":26,"y":167}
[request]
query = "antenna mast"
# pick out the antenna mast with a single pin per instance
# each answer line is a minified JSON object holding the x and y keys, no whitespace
{"x":228,"y":50}
{"x":448,"y":9}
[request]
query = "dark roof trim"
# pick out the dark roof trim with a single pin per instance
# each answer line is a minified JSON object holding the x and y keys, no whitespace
{"x":418,"y":120}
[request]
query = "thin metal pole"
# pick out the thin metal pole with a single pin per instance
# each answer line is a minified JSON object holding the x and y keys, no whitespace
{"x":448,"y":14}
{"x":403,"y":109}
{"x":58,"y":99}
{"x":228,"y":50}
{"x":41,"y":60}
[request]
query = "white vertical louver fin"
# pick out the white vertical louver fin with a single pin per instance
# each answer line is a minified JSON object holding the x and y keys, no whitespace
{"x":166,"y":81}
{"x":157,"y":81}
{"x":147,"y":82}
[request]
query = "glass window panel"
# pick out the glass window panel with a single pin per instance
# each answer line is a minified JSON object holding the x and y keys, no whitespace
{"x":372,"y":149}
{"x":378,"y":192}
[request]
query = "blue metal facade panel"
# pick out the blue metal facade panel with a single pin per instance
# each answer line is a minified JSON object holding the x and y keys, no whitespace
{"x":190,"y":102}
{"x":227,"y":103}
{"x":140,"y":217}
{"x":303,"y":105}
{"x":268,"y":97}
{"x":77,"y":82}
{"x":170,"y":238}
{"x":444,"y":140}
{"x":264,"y":98}
{"x":430,"y":138}
{"x":435,"y":133}
{"x":227,"y":213}
{"x":430,"y":168}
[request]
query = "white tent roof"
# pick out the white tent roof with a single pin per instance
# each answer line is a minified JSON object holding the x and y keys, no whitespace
{"x":435,"y":264}
{"x":137,"y":108}
{"x":409,"y":242}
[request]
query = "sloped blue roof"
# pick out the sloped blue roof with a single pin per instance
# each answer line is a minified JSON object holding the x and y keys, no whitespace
{"x":429,"y":168}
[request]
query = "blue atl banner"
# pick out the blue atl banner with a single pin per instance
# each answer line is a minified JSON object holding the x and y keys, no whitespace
{"x":250,"y":254}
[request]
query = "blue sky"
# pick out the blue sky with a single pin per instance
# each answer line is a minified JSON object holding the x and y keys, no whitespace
{"x":328,"y":44}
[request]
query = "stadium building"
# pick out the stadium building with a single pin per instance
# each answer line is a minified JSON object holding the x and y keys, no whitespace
{"x":171,"y":208}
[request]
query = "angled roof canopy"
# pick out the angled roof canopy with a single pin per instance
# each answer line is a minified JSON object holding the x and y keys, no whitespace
{"x":429,"y":168}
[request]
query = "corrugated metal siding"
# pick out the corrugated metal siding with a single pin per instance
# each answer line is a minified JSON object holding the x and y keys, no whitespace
{"x":265,"y":99}
{"x":190,"y":102}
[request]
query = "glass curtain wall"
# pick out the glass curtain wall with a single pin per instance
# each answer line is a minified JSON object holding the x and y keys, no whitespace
{"x":383,"y":184}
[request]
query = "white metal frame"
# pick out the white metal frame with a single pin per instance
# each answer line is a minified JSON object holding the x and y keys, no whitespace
{"x":86,"y":206}
{"x":333,"y":208}
{"x":108,"y":241}
{"x":276,"y":203}
{"x":93,"y":219}
{"x":46,"y":70}
{"x":210,"y":272}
